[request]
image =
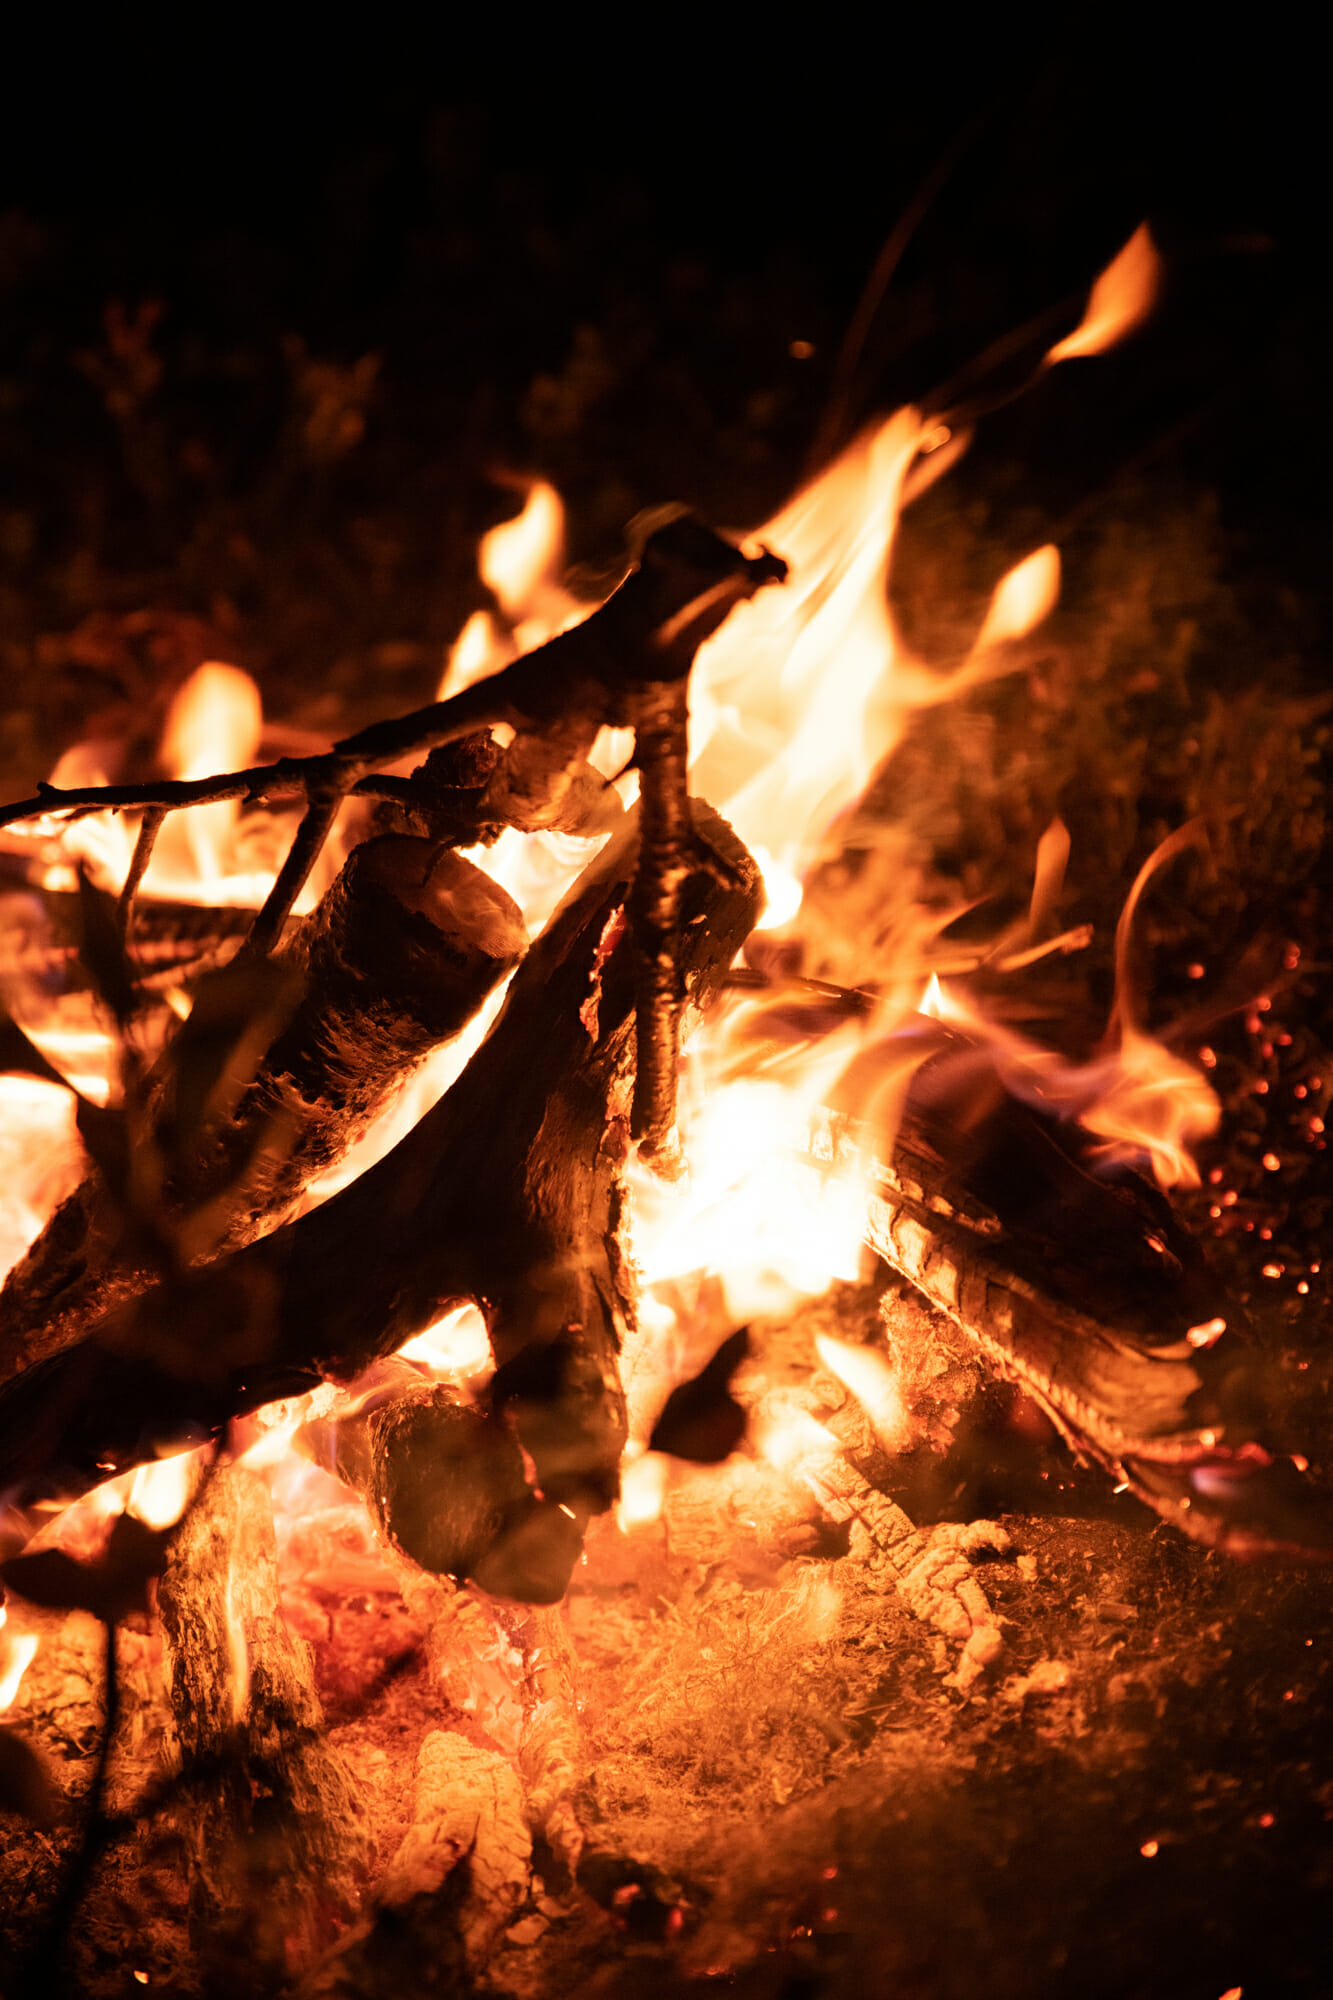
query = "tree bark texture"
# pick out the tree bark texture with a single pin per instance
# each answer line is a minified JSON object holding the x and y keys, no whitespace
{"x":506,"y":1193}
{"x":271,"y":1822}
{"x":403,"y":950}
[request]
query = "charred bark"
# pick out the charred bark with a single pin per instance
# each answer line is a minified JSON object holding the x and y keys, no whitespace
{"x":271,"y":1825}
{"x":506,"y":1193}
{"x":402,"y":952}
{"x":1073,"y":1278}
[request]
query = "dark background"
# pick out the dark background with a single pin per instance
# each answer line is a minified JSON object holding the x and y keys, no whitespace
{"x":200,"y":240}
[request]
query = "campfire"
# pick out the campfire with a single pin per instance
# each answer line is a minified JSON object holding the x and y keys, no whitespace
{"x":506,"y":1213}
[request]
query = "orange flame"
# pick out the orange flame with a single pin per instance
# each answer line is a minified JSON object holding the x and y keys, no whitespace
{"x":1145,"y":1101}
{"x":17,"y":1651}
{"x":1120,"y":299}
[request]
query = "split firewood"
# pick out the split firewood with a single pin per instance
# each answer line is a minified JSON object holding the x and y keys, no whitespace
{"x":271,"y":1823}
{"x":1075,"y":1280}
{"x":402,"y":952}
{"x":506,"y":1193}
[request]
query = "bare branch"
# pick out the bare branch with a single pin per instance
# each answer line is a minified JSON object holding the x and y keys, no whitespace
{"x":149,"y":828}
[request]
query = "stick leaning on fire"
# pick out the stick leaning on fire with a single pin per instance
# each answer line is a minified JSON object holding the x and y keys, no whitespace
{"x":129,"y":1340}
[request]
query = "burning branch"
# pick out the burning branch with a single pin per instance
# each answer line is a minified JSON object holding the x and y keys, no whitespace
{"x":626,"y":665}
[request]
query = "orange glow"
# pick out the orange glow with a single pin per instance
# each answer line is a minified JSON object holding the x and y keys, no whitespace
{"x":159,"y":1493}
{"x":643,"y":1488}
{"x":873,"y":1382}
{"x":457,"y":1347}
{"x":1022,"y":599}
{"x":17,"y":1650}
{"x":794,"y":1442}
{"x":1120,"y":299}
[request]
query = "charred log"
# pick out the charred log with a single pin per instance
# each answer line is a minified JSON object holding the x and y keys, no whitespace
{"x":1074,"y":1278}
{"x":506,"y":1193}
{"x":271,"y":1826}
{"x":403,"y":951}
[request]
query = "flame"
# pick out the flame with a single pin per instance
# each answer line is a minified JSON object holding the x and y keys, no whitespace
{"x":643,"y":1490}
{"x":160,"y":1493}
{"x":456,"y":1347}
{"x":41,"y":1159}
{"x":1120,"y":299}
{"x":215,"y":723}
{"x":755,"y":1206}
{"x":1021,"y":600}
{"x":521,"y":562}
{"x":804,"y":691}
{"x":874,"y":1384}
{"x":524,"y":556}
{"x":17,"y":1651}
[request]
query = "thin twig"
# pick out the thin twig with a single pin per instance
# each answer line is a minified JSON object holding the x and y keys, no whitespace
{"x":301,"y":857}
{"x":665,"y":860}
{"x":498,"y":699}
{"x":149,"y":828}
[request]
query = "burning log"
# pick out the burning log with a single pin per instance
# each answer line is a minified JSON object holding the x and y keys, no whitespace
{"x":404,"y":949}
{"x":1076,"y":1280}
{"x":271,"y":1827}
{"x":506,"y":1193}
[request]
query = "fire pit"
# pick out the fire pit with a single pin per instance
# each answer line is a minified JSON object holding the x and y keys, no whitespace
{"x":602,"y":1381}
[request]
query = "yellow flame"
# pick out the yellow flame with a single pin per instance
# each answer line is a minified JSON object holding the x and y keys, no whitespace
{"x":872,"y":1380}
{"x":520,"y":556}
{"x":1120,"y":299}
{"x":457,"y":1346}
{"x":17,"y":1651}
{"x":643,"y":1487}
{"x":792,"y":704}
{"x":755,"y":1206}
{"x":1022,"y":599}
{"x":214,"y":724}
{"x":159,"y":1493}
